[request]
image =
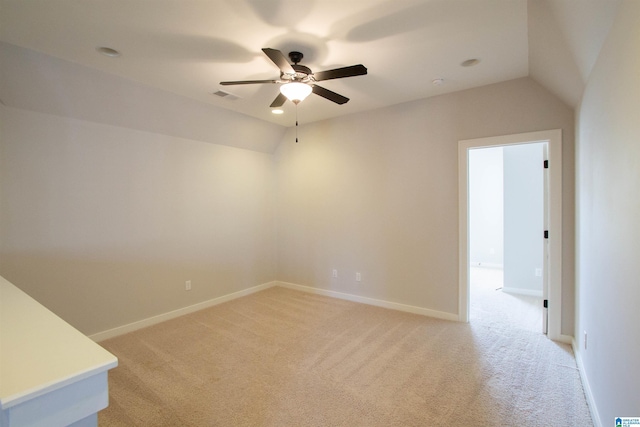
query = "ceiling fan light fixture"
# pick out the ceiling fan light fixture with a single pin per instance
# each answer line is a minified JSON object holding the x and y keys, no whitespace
{"x":295,"y":91}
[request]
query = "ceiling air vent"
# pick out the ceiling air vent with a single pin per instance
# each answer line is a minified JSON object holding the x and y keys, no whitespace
{"x":226,"y":95}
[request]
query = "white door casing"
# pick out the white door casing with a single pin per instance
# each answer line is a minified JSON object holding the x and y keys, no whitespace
{"x":552,"y":288}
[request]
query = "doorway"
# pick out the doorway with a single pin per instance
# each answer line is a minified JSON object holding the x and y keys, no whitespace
{"x":552,"y":259}
{"x":506,"y":223}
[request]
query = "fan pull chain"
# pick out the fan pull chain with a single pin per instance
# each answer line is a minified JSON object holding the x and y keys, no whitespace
{"x":296,"y":122}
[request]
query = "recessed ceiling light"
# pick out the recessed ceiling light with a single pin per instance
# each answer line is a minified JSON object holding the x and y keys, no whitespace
{"x":107,"y":51}
{"x":470,"y":62}
{"x":277,"y":111}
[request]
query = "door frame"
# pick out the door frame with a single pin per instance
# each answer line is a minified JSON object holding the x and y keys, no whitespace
{"x":553,"y":273}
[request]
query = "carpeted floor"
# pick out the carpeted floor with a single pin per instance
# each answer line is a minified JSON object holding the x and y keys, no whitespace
{"x":492,"y":308}
{"x":287,"y":358}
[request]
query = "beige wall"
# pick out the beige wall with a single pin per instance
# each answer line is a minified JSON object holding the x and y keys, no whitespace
{"x":103,"y":225}
{"x":608,"y":214}
{"x":376,"y":193}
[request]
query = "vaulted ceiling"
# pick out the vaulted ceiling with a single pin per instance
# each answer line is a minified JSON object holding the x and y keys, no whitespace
{"x":178,"y":51}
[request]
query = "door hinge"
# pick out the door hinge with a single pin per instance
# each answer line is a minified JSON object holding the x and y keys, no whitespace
{"x":546,"y":234}
{"x":545,"y":303}
{"x":546,"y":164}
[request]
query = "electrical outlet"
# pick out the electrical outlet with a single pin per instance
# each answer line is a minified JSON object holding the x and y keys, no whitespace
{"x":187,"y":285}
{"x":585,"y":340}
{"x":358,"y":277}
{"x":334,"y":273}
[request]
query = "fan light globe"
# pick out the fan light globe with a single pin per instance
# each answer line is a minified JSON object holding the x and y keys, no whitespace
{"x":295,"y":91}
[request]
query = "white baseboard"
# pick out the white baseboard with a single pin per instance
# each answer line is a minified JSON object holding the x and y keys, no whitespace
{"x":371,"y":301}
{"x":121,"y":330}
{"x":593,"y":409}
{"x":565,"y":339}
{"x":527,"y":292}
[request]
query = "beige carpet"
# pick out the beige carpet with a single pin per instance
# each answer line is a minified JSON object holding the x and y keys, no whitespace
{"x":287,"y":358}
{"x":493,"y":308}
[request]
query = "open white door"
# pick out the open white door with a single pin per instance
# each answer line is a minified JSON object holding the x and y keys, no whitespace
{"x":545,"y":257}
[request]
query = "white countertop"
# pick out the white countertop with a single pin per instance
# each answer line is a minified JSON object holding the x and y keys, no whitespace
{"x":40,"y":352}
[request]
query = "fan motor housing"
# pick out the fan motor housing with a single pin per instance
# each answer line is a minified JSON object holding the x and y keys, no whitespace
{"x":302,"y":73}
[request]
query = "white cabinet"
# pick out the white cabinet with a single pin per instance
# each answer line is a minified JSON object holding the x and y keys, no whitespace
{"x":50,"y":373}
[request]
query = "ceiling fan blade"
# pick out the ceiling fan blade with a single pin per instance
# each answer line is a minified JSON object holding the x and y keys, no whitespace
{"x":248,"y":82}
{"x":338,"y":73}
{"x":330,"y":95}
{"x":279,"y":101}
{"x":279,"y":59}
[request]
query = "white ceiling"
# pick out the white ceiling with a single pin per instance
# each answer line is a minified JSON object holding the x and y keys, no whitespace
{"x":186,"y":47}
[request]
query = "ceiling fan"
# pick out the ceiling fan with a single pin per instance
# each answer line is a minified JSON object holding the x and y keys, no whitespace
{"x":299,"y":81}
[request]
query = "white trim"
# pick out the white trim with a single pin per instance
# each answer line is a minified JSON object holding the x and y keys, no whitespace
{"x":554,"y":140}
{"x":565,"y":339}
{"x":591,"y":402}
{"x":371,"y":301}
{"x":121,"y":330}
{"x":526,"y":292}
